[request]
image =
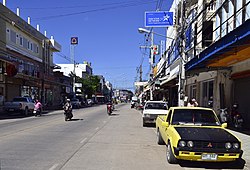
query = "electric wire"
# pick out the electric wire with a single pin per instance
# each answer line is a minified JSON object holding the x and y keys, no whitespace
{"x":92,"y":10}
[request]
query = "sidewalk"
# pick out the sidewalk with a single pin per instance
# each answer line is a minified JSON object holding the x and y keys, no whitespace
{"x":245,"y":139}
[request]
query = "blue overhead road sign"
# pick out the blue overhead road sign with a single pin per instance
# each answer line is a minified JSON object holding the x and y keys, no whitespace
{"x":158,"y":19}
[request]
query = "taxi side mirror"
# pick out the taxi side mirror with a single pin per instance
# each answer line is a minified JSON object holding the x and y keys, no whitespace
{"x":224,"y":125}
{"x":166,"y":124}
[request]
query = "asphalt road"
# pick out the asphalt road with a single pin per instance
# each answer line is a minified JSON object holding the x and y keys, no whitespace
{"x":91,"y":141}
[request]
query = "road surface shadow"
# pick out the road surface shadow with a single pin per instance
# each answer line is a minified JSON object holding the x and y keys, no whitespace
{"x":239,"y":164}
{"x":72,"y":120}
{"x":114,"y":114}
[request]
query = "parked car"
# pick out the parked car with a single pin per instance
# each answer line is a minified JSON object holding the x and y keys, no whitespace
{"x":24,"y":105}
{"x":196,"y":134}
{"x":75,"y":103}
{"x":152,"y":109}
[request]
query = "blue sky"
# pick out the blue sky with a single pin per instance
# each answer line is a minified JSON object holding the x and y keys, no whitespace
{"x":107,"y":32}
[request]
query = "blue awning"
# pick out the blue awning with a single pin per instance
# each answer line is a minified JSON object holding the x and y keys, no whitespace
{"x":238,"y":38}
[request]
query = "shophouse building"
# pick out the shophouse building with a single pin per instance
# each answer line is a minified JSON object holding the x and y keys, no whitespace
{"x":221,"y":71}
{"x":209,"y":56}
{"x":26,"y":59}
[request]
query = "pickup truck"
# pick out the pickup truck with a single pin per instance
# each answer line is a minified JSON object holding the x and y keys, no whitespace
{"x":196,"y":134}
{"x":24,"y":105}
{"x":152,"y":109}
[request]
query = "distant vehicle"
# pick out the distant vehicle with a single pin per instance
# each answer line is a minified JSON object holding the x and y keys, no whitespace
{"x":24,"y":105}
{"x":134,"y":101}
{"x":75,"y":103}
{"x":152,"y":109}
{"x":196,"y":134}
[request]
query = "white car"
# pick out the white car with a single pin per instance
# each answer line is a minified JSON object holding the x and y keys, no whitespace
{"x":152,"y":109}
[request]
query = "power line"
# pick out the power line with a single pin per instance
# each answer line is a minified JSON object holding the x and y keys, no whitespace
{"x":82,"y":6}
{"x":93,"y":10}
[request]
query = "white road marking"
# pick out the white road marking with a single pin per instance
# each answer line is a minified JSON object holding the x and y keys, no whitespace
{"x":83,"y":140}
{"x":104,"y":121}
{"x":97,"y":128}
{"x":54,"y":167}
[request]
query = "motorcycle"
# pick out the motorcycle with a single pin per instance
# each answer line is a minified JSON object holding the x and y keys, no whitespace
{"x":109,"y":108}
{"x":68,"y":111}
{"x":236,"y":117}
{"x":37,"y":111}
{"x":68,"y":114}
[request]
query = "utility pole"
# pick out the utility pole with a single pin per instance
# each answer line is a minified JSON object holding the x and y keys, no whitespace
{"x":141,"y":73}
{"x":43,"y":71}
{"x":151,"y":63}
{"x":182,"y":57}
{"x":72,"y":54}
{"x":74,"y":42}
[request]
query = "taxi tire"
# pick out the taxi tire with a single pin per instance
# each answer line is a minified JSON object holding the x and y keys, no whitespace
{"x":170,"y":156}
{"x":160,"y":141}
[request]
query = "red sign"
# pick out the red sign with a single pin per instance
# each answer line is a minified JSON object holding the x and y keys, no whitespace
{"x":74,"y":40}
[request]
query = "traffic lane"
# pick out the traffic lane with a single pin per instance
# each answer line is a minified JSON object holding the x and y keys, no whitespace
{"x":51,"y":143}
{"x":121,"y":144}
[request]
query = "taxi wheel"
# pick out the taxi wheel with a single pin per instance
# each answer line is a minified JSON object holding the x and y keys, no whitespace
{"x":170,"y":156}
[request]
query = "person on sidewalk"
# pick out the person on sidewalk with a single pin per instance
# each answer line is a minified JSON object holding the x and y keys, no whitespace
{"x":192,"y":103}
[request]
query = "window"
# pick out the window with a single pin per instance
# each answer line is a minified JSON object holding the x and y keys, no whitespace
{"x":21,"y":41}
{"x":31,"y":46}
{"x":207,"y":92}
{"x":13,"y":36}
{"x":193,"y":91}
{"x":185,"y":116}
{"x":28,"y":44}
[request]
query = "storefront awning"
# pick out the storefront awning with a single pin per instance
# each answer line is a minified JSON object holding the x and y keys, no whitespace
{"x":173,"y":74}
{"x":231,"y":49}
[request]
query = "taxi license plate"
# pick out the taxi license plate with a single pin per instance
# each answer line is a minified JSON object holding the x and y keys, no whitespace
{"x":209,"y":156}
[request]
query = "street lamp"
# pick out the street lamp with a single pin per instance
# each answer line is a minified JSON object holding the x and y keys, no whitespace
{"x":143,"y":30}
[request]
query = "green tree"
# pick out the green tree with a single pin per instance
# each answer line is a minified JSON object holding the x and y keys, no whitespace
{"x":90,"y":84}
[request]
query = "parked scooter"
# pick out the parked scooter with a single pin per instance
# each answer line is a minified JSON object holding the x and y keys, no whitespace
{"x":237,"y":119}
{"x":109,"y":108}
{"x":38,"y":108}
{"x":68,"y":110}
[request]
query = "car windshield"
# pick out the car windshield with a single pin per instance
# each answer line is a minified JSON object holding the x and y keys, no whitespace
{"x":161,"y":106}
{"x":194,"y":117}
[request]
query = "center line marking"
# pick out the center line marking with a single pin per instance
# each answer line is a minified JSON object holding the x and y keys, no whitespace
{"x":83,"y":140}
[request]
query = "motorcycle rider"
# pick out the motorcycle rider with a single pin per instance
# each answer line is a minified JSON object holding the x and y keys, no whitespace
{"x":236,"y":116}
{"x":67,"y":110}
{"x":38,"y":108}
{"x":109,"y":107}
